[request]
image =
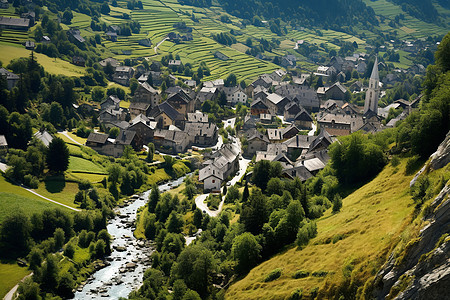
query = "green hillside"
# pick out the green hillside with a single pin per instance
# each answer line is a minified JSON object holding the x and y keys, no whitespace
{"x":349,"y":248}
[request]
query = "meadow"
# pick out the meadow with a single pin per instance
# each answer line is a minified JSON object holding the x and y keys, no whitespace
{"x":52,"y":65}
{"x":350,"y":245}
{"x":13,"y":198}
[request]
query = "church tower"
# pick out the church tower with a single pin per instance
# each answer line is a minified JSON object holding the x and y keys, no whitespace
{"x":373,"y":93}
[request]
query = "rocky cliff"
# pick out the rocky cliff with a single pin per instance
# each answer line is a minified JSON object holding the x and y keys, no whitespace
{"x":423,"y":272}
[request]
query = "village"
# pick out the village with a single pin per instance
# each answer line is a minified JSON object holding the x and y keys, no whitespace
{"x":286,"y":120}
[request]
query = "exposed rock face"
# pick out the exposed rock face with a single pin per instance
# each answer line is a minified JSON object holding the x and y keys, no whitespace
{"x":441,"y":157}
{"x":426,"y":265}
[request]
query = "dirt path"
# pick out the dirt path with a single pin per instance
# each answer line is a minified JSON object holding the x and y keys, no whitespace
{"x":56,"y":202}
{"x":11,"y":292}
{"x":69,"y":137}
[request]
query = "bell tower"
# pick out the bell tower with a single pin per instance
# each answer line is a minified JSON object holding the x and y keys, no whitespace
{"x":373,"y":93}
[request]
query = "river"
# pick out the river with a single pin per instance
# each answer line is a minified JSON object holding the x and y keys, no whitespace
{"x":129,"y":258}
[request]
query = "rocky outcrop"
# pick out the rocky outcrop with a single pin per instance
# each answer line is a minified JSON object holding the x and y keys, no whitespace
{"x":441,"y":157}
{"x":424,"y":270}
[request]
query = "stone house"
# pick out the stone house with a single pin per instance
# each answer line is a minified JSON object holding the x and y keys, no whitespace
{"x":123,"y":74}
{"x":256,"y":142}
{"x":147,"y":94}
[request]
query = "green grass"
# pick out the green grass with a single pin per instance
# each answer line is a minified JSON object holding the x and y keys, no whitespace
{"x":77,"y":164}
{"x":59,"y":190}
{"x":371,"y":222}
{"x":10,"y":275}
{"x":52,"y":65}
{"x":13,"y":197}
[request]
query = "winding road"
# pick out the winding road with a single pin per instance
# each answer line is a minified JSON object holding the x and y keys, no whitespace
{"x":243,"y":164}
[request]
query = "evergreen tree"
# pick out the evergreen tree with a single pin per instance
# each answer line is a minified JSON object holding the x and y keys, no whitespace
{"x":153,"y":199}
{"x":58,"y":155}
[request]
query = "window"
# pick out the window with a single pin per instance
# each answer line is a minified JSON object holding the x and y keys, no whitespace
{"x":213,"y":181}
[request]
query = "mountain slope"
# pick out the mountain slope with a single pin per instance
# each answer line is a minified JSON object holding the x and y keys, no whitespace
{"x":349,"y":248}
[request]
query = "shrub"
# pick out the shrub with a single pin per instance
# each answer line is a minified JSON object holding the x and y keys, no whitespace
{"x":320,"y":273}
{"x":412,"y":165}
{"x":395,"y":161}
{"x":69,"y":251}
{"x":296,"y":295}
{"x":301,"y":274}
{"x":31,"y":181}
{"x":274,"y":274}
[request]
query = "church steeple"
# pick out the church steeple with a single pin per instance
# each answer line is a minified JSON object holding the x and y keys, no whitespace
{"x":373,"y":92}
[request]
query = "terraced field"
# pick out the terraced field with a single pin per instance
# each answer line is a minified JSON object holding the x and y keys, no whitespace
{"x":413,"y":26}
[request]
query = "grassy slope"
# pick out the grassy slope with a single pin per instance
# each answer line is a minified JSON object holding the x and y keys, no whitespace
{"x":373,"y":217}
{"x":52,"y":65}
{"x":13,"y":197}
{"x":10,"y":275}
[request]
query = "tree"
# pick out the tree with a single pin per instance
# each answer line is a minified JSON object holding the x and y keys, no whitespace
{"x":246,"y":251}
{"x":14,"y":234}
{"x":134,"y":84}
{"x":49,"y":279}
{"x":98,"y":94}
{"x":337,"y":203}
{"x":59,"y":238}
{"x":255,"y":212}
{"x":175,"y":222}
{"x":231,"y":80}
{"x":28,"y":290}
{"x":57,"y":155}
{"x":115,"y":173}
{"x":67,"y":16}
{"x":106,"y":237}
{"x":153,"y":198}
{"x":105,"y":8}
{"x":198,"y":218}
{"x":114,"y":132}
{"x":151,"y":152}
{"x":442,"y":54}
{"x":195,"y":265}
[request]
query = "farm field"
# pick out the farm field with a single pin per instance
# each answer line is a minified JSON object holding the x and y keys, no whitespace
{"x":357,"y":238}
{"x":415,"y":27}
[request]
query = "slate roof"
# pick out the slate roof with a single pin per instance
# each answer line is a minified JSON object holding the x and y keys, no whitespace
{"x":303,"y":115}
{"x":300,"y":142}
{"x":125,"y":137}
{"x":298,"y":171}
{"x":208,"y":171}
{"x":17,"y":22}
{"x":200,"y":129}
{"x":274,"y":98}
{"x":179,"y":96}
{"x":149,"y":88}
{"x":258,"y":104}
{"x":322,"y":137}
{"x":44,"y":137}
{"x":139,"y":106}
{"x":113,"y":62}
{"x":99,"y":138}
{"x":165,"y":107}
{"x":197,"y":117}
{"x":314,"y":164}
{"x":255,"y":134}
{"x":3,"y":142}
{"x":8,"y":74}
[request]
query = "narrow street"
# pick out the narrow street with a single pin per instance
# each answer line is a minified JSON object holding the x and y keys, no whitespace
{"x":243,"y":164}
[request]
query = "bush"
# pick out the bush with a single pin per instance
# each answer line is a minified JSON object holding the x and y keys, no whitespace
{"x":69,"y":251}
{"x":301,"y":274}
{"x":395,"y":161}
{"x":274,"y":274}
{"x":412,"y":165}
{"x":31,"y":181}
{"x":320,"y":273}
{"x":296,"y":295}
